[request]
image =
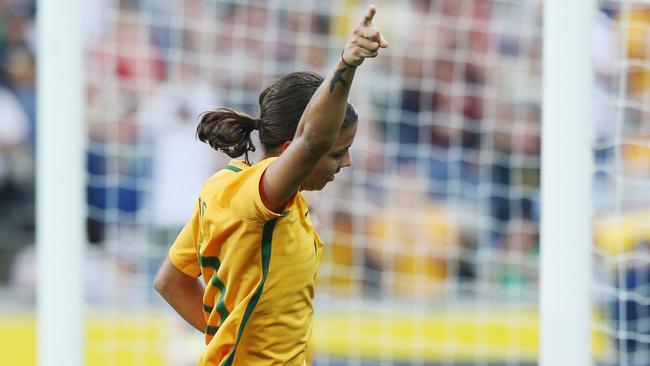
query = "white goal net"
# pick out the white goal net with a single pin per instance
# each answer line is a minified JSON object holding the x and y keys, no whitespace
{"x":622,"y":182}
{"x":432,"y":236}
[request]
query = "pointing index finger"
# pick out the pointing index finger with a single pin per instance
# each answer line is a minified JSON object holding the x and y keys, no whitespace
{"x":367,"y":19}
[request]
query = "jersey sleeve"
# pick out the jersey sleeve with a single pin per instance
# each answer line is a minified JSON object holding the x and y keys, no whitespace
{"x":246,"y":198}
{"x":183,"y":253}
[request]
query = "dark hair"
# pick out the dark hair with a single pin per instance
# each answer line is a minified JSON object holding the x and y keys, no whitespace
{"x":281,"y":106}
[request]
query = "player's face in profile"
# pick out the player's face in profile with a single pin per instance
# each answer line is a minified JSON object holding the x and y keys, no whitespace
{"x":333,"y":161}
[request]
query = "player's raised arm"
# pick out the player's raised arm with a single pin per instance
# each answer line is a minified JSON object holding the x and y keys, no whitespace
{"x":321,"y":121}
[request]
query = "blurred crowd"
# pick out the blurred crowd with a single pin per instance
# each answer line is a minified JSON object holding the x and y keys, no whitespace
{"x":446,"y":175}
{"x":443,"y":197}
{"x":17,"y":129}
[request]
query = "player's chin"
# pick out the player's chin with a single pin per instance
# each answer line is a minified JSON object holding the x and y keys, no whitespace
{"x":316,"y":186}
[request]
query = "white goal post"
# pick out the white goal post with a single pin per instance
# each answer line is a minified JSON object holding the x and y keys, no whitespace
{"x":60,"y":182}
{"x":567,"y":168}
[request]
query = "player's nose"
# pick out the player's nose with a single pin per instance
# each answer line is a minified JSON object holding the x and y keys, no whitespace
{"x":346,"y":161}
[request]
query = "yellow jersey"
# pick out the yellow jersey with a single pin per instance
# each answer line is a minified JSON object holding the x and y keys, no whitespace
{"x":258,"y":266}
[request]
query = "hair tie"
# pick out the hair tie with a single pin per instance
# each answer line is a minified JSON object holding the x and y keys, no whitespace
{"x":256,"y":124}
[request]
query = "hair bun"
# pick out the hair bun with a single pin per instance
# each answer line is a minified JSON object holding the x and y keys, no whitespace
{"x":227,"y":130}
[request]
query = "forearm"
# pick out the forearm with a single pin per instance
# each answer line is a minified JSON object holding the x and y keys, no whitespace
{"x":322,"y":119}
{"x":188,"y":303}
{"x":183,"y":293}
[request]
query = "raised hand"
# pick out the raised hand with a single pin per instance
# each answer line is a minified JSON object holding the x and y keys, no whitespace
{"x":364,"y":42}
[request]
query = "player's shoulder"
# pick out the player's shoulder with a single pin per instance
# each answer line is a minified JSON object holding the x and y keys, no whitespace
{"x":239,"y":171}
{"x":234,"y":177}
{"x":223,"y":177}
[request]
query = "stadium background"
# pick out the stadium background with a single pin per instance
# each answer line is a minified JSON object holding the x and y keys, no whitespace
{"x":433,"y":237}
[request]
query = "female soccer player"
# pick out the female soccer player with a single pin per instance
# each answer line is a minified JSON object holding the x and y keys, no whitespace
{"x":250,"y":236}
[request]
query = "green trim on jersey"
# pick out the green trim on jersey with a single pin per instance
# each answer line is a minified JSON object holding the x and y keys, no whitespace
{"x":211,"y":330}
{"x":215,"y":263}
{"x":267,"y":237}
{"x":233,"y":168}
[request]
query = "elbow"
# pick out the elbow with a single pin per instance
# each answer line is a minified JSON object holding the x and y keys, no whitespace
{"x":160,"y":283}
{"x":169,"y":279}
{"x":318,"y":144}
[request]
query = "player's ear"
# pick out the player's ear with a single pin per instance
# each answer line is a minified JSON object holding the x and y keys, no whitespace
{"x":284,"y":146}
